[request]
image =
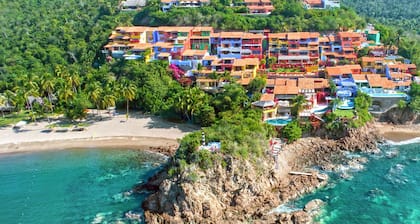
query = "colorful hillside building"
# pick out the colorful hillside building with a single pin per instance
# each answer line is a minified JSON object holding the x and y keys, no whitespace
{"x":293,"y":50}
{"x":264,"y":7}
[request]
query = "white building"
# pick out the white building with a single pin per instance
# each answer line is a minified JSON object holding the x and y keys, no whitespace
{"x":166,"y":5}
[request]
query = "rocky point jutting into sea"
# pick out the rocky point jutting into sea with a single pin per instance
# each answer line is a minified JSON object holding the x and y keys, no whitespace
{"x":239,"y":190}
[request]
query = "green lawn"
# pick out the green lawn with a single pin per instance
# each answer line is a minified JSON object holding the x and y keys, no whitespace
{"x":344,"y":113}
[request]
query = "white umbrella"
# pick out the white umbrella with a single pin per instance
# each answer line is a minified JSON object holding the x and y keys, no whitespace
{"x":20,"y":124}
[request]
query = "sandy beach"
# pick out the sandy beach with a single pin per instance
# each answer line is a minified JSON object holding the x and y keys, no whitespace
{"x":397,"y":133}
{"x":139,"y":132}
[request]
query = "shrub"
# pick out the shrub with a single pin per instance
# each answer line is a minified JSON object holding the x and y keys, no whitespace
{"x":205,"y":159}
{"x":292,"y":131}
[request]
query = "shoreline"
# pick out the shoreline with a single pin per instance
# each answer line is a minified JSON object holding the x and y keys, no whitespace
{"x":398,"y":133}
{"x":161,"y":145}
{"x":139,"y":132}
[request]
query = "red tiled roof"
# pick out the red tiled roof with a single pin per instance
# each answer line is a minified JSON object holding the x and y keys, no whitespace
{"x":372,"y":59}
{"x":286,"y":86}
{"x":267,"y":97}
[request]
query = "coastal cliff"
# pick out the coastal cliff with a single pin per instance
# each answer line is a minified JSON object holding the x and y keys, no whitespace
{"x":400,"y":116}
{"x":238,"y":190}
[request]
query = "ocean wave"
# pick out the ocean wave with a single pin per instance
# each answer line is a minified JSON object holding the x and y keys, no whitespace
{"x":396,"y":176}
{"x":284,"y":208}
{"x":100,"y":217}
{"x":406,"y":142}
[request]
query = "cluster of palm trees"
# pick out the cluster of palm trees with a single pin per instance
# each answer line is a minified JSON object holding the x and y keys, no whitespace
{"x":55,"y":91}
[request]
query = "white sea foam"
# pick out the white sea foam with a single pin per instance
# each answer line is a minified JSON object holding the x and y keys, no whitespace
{"x":284,"y":208}
{"x":406,"y":142}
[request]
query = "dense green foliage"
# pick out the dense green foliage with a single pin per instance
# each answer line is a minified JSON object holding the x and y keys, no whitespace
{"x":362,"y":103}
{"x":402,"y":13}
{"x":38,"y":35}
{"x":415,"y":97}
{"x":288,"y":16}
{"x":292,"y":131}
{"x":401,"y":19}
{"x":241,"y":134}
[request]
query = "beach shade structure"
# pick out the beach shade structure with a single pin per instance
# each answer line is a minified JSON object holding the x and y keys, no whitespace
{"x":20,"y":125}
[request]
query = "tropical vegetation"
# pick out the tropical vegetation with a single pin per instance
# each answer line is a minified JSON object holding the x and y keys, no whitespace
{"x":287,"y":16}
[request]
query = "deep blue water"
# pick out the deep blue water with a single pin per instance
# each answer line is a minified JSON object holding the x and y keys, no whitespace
{"x":387,"y":190}
{"x":73,"y":186}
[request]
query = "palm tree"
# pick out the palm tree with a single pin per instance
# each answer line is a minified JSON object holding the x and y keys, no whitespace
{"x":298,"y":104}
{"x":189,"y":101}
{"x":94,"y":92}
{"x":48,"y":85}
{"x":127,"y":90}
{"x":65,"y":92}
{"x":73,"y":80}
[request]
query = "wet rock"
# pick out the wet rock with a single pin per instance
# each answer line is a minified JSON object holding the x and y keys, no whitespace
{"x":301,"y":217}
{"x":313,"y":206}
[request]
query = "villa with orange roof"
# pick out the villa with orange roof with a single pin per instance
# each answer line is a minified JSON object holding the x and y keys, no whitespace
{"x":373,"y":64}
{"x":340,"y":47}
{"x":200,"y":38}
{"x":264,"y":7}
{"x":237,"y":45}
{"x":245,"y":70}
{"x":298,"y":49}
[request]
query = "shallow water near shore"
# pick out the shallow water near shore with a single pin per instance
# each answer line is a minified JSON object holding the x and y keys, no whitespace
{"x":73,"y":186}
{"x":386,"y":191}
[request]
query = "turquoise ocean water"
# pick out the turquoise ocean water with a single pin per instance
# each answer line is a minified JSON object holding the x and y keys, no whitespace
{"x":387,"y":190}
{"x":73,"y":186}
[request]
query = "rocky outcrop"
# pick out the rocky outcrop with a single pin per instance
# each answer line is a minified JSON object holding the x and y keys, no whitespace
{"x":237,"y":190}
{"x":400,"y":116}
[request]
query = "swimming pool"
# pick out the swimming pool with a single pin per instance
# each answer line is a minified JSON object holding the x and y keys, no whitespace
{"x":320,"y":110}
{"x":346,"y":104}
{"x":382,"y":93}
{"x":278,"y":121}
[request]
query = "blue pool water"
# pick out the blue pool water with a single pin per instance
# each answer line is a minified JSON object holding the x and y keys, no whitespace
{"x":402,"y":95}
{"x":278,"y":121}
{"x":381,"y":93}
{"x":386,"y":191}
{"x":73,"y":186}
{"x":346,"y":105}
{"x":321,"y":111}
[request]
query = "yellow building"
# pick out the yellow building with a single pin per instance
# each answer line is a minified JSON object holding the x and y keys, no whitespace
{"x":245,"y":69}
{"x":373,"y":64}
{"x":139,"y":51}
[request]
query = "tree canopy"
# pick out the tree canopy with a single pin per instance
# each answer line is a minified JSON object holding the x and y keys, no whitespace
{"x":287,"y":16}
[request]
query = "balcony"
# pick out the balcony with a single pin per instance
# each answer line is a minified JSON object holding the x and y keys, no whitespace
{"x":220,"y":49}
{"x":304,"y":41}
{"x":231,"y":41}
{"x":250,"y":42}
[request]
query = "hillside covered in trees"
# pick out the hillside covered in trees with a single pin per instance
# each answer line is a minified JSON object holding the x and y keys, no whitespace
{"x":403,"y":14}
{"x":287,"y":16}
{"x":38,"y":35}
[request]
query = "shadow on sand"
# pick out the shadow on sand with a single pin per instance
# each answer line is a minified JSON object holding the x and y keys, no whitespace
{"x":157,"y":122}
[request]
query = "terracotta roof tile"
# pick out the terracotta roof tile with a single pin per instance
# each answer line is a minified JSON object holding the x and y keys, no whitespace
{"x":267,"y":97}
{"x":372,"y":59}
{"x":375,"y":80}
{"x":286,"y":86}
{"x":140,"y":46}
{"x":359,"y":77}
{"x":277,"y":35}
{"x":190,"y":52}
{"x":246,"y":61}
